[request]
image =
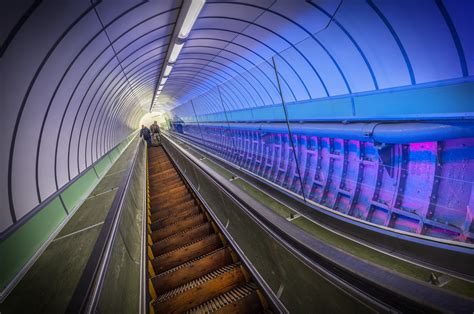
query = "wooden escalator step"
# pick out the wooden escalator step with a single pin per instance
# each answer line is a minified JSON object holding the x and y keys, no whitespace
{"x":181,"y":225}
{"x":174,"y":201}
{"x":179,"y":239}
{"x":242,"y":299}
{"x":157,"y":214}
{"x":164,"y":212}
{"x":159,"y":188}
{"x":175,"y":192}
{"x":175,"y":216}
{"x":169,"y":194}
{"x":178,"y":206}
{"x":191,"y":270}
{"x":200,"y":290}
{"x":185,"y":253}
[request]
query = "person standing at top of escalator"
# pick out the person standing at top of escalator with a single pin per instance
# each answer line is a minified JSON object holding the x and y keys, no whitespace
{"x":146,"y":134}
{"x":155,"y":133}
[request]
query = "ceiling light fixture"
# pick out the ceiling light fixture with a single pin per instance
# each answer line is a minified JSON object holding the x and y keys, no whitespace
{"x":168,"y":69}
{"x":175,"y":52}
{"x":187,"y":17}
{"x":194,"y":8}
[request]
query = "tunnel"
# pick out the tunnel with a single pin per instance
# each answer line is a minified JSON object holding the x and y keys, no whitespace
{"x":236,"y":156}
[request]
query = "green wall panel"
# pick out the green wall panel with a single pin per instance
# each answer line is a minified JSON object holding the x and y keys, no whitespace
{"x":428,"y":101}
{"x":75,"y":193}
{"x":114,"y":154}
{"x":16,"y":250}
{"x":441,"y":100}
{"x":320,"y":108}
{"x":102,"y":166}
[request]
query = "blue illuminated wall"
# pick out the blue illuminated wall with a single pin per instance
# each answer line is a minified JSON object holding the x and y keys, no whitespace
{"x":424,"y":187}
{"x":364,"y":108}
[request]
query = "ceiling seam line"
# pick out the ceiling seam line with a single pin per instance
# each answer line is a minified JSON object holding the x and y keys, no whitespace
{"x":104,"y":30}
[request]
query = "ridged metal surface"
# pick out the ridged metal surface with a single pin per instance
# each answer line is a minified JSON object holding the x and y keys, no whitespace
{"x":187,"y":263}
{"x":422,"y":188}
{"x":195,"y":283}
{"x":224,"y":299}
{"x":186,"y":245}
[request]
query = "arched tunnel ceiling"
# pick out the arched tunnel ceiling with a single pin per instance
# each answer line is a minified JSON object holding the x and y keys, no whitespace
{"x":323,"y":48}
{"x":77,"y":76}
{"x":231,"y":37}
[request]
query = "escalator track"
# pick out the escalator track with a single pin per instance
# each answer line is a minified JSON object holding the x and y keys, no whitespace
{"x":192,"y":267}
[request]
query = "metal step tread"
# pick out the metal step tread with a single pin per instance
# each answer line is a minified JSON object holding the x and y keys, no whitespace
{"x":156,"y":208}
{"x":186,"y":245}
{"x":224,"y":299}
{"x":192,"y":261}
{"x":189,"y":217}
{"x":195,"y":283}
{"x":174,"y":201}
{"x":163,"y":223}
{"x":171,"y":206}
{"x":180,"y":233}
{"x":181,"y":213}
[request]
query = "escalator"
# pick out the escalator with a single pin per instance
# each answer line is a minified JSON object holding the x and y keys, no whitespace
{"x":191,"y":266}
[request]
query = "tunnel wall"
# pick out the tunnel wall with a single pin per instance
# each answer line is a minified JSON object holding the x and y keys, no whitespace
{"x":76,"y":77}
{"x":422,"y":188}
{"x":370,"y":117}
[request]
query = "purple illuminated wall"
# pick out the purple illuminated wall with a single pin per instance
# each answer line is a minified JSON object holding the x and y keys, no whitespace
{"x":423,"y":188}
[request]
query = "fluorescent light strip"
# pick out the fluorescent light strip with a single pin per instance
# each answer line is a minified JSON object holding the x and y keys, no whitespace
{"x":192,"y":13}
{"x":168,"y":69}
{"x":194,"y":9}
{"x":175,"y":52}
